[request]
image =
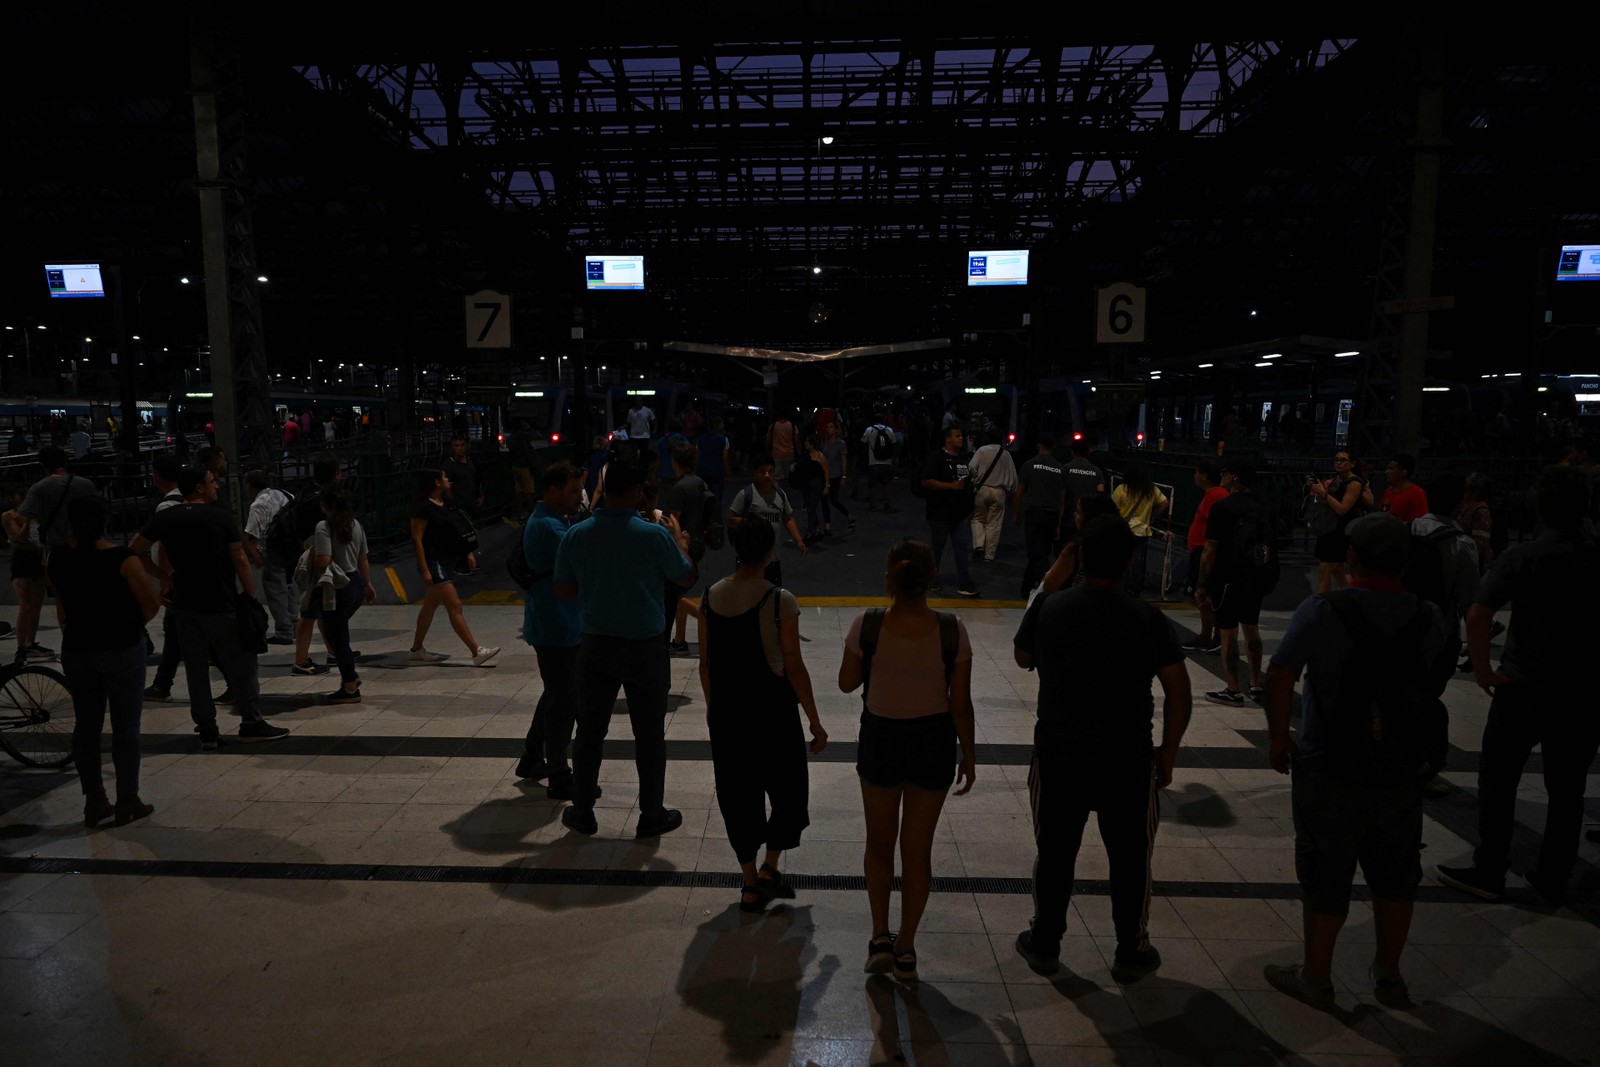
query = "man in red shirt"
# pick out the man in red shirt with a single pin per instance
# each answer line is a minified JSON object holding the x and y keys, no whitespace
{"x":1206,"y":479}
{"x":1404,"y":499}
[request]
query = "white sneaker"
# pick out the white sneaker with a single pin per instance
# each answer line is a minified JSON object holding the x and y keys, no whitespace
{"x":484,"y":655}
{"x":422,"y":655}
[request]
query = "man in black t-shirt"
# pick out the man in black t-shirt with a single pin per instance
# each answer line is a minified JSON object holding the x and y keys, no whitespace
{"x":1085,"y":478}
{"x":464,"y":489}
{"x":202,"y":553}
{"x":1096,"y":649}
{"x":1236,"y":602}
{"x":1039,"y":506}
{"x":949,"y":501}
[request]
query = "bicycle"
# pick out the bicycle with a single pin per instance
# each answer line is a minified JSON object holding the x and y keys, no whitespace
{"x":36,"y":717}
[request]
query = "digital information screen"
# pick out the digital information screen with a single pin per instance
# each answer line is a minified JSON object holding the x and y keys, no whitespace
{"x":1579,"y":263}
{"x":613,"y":272}
{"x":997,"y":268}
{"x":74,"y":280}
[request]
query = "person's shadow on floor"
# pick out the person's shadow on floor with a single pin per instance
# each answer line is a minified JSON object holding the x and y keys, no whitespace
{"x":931,"y":1022}
{"x":748,"y":972}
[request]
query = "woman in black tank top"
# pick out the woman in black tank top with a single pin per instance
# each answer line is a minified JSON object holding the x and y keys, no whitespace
{"x":758,"y":753}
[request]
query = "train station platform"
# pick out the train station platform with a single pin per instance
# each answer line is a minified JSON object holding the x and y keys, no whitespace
{"x":379,"y":888}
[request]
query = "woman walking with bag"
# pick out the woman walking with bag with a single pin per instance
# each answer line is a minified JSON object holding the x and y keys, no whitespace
{"x":340,"y":542}
{"x":105,"y":599}
{"x":752,"y":675}
{"x":1139,"y":502}
{"x":439,"y":539}
{"x":916,"y":741}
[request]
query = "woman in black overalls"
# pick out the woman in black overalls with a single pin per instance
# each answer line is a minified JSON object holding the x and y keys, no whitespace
{"x":758,"y":752}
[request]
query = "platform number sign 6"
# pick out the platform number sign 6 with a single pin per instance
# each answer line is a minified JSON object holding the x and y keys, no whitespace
{"x":488,"y":320}
{"x":1119,"y":318}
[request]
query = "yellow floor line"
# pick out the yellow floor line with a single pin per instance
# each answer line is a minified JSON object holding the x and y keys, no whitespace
{"x":495,"y":597}
{"x":883,"y":601}
{"x":399,"y":589}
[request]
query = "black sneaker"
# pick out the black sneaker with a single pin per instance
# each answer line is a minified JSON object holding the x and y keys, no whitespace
{"x":225,"y":698}
{"x":260,"y":731}
{"x":38,"y":651}
{"x":156,"y":693}
{"x":344,"y":696}
{"x":967,"y":590}
{"x":1479,"y":883}
{"x":1227,"y":698}
{"x":532,"y":768}
{"x":310,"y":666}
{"x":669,"y":820}
{"x":1553,"y":890}
{"x":1038,"y":964}
{"x":581,"y":822}
{"x":1131,"y":964}
{"x":1200,"y":645}
{"x":680,"y":648}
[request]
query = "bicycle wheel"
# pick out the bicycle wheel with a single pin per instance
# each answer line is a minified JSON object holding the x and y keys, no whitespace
{"x":36,"y":716}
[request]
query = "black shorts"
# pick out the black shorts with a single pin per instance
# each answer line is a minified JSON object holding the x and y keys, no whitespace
{"x":880,"y":474}
{"x":27,"y":564}
{"x":441,"y":572}
{"x":1236,"y":605}
{"x":1338,"y":824}
{"x":1191,"y":580}
{"x":891,"y":753}
{"x":1333,"y":547}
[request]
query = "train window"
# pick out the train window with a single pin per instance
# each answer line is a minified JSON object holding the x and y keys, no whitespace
{"x":1205,"y":423}
{"x":1266,"y":418}
{"x":1341,"y":427}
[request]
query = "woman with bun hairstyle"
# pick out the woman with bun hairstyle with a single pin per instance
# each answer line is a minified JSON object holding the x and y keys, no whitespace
{"x":752,"y":676}
{"x":916,"y":741}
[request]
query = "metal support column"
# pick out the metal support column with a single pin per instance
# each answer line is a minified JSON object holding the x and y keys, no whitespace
{"x":1422,"y":223}
{"x":240,"y":394}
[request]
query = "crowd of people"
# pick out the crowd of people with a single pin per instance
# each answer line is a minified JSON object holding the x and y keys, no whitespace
{"x":609,"y":548}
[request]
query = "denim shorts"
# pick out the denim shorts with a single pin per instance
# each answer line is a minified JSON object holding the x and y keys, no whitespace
{"x":891,"y":753}
{"x":440,"y":571}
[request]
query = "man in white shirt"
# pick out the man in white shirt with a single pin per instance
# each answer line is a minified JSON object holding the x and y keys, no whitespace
{"x":640,"y":424}
{"x":879,"y":440}
{"x":265,"y":503}
{"x":80,"y":442}
{"x":994,"y":476}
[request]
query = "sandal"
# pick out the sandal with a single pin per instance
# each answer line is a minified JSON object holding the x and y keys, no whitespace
{"x":752,"y":905}
{"x":880,"y":954}
{"x":905,"y":965}
{"x":771,"y":884}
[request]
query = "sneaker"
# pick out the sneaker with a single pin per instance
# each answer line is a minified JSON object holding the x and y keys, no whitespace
{"x":967,"y":590}
{"x":156,"y":693}
{"x":669,"y":820}
{"x":1553,"y":890}
{"x":7,"y":630}
{"x":581,"y":822}
{"x":422,"y":655}
{"x":977,"y":555}
{"x":225,"y":698}
{"x":1038,"y":964}
{"x":310,"y":666}
{"x":343,"y":696}
{"x":484,"y":655}
{"x":261,"y":731}
{"x":1132,"y":964}
{"x":1390,"y":992}
{"x":935,"y":590}
{"x":1258,"y":693}
{"x":1199,"y":645}
{"x":678,"y":647}
{"x":38,"y":651}
{"x":281,"y":639}
{"x":880,"y":954}
{"x":905,"y":965}
{"x":1227,"y":698}
{"x":1291,"y":981}
{"x":532,"y":768}
{"x":1472,"y":880}
{"x":209,"y":744}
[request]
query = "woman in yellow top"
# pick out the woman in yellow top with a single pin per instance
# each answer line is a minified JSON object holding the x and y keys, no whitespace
{"x":1139,"y":502}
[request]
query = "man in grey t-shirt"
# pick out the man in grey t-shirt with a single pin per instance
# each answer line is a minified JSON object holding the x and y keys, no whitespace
{"x":764,"y":500}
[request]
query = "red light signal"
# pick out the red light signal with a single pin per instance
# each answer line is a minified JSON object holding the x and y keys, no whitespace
{"x":1010,"y":438}
{"x":555,"y":439}
{"x":1077,"y":436}
{"x":1139,"y":437}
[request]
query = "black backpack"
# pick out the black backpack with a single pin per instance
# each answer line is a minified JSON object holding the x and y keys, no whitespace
{"x":282,"y":539}
{"x":708,"y":534}
{"x":882,"y":441}
{"x":872,"y":623}
{"x":1254,"y":560}
{"x":1424,"y":571}
{"x":1388,"y":726}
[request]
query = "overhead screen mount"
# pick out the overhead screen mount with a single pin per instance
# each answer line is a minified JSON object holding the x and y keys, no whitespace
{"x":74,"y":280}
{"x":613,"y":272}
{"x":1579,"y":263}
{"x":998,"y":268}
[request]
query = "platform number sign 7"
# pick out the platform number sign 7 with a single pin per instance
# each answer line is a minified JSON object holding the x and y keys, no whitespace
{"x":488,"y":320}
{"x":1119,"y":317}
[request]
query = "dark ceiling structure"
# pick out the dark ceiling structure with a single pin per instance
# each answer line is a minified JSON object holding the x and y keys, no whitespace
{"x":807,"y":177}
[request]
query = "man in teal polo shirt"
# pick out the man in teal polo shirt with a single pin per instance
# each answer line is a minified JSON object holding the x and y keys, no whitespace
{"x":550,"y":625}
{"x":617,"y":565}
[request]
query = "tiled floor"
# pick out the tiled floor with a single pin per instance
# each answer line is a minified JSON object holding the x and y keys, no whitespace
{"x":640,"y":957}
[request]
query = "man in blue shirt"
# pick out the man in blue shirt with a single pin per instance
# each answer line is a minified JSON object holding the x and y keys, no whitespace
{"x":550,"y":625}
{"x":713,"y":446}
{"x":617,"y":565}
